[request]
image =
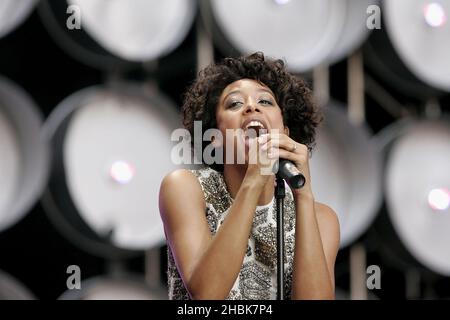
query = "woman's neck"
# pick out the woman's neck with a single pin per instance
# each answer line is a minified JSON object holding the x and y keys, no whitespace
{"x":234,"y":175}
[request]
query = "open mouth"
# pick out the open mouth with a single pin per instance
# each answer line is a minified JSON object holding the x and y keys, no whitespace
{"x":254,"y":128}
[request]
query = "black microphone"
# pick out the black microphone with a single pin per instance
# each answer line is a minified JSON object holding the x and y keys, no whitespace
{"x":289,"y":172}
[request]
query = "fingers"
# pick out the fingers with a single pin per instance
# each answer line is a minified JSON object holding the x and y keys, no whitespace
{"x":281,"y":146}
{"x":257,"y":155}
{"x":281,"y":141}
{"x":284,"y":154}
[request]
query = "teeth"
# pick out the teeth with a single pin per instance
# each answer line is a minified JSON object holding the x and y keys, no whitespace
{"x":254,"y":123}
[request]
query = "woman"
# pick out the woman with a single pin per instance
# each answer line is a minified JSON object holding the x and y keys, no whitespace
{"x":220,"y":220}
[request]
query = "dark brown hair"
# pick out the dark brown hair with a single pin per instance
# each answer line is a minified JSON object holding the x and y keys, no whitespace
{"x":292,"y":94}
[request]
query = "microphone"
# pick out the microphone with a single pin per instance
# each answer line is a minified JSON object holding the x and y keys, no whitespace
{"x":285,"y":169}
{"x":289,"y":172}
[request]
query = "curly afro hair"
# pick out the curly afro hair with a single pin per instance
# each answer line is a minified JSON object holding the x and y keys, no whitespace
{"x":292,"y":94}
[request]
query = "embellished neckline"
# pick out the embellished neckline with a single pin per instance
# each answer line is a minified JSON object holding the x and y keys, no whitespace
{"x":231,"y":199}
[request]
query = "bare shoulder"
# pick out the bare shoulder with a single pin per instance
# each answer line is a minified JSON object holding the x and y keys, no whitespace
{"x":180,"y":176}
{"x":326,"y":212}
{"x":182,"y":181}
{"x":178,"y":188}
{"x":328,"y":219}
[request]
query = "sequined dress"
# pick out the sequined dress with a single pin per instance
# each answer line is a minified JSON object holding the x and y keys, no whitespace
{"x":257,"y":277}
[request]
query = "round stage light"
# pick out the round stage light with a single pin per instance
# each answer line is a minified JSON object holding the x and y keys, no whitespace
{"x":417,"y":184}
{"x":12,"y":289}
{"x":304,"y":33}
{"x":355,"y":30}
{"x":282,"y":2}
{"x":423,"y":46}
{"x":25,"y":155}
{"x":111,"y":34}
{"x":346,"y":170}
{"x":112,"y":148}
{"x":382,"y":59}
{"x":139,"y":32}
{"x":13,"y":13}
{"x":121,"y":172}
{"x":124,"y":287}
{"x":434,"y":14}
{"x":439,"y":199}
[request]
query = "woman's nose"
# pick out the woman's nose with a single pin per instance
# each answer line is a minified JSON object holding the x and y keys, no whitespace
{"x":251,"y":107}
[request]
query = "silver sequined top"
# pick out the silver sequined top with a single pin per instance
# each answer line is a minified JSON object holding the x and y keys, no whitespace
{"x":257,"y":278}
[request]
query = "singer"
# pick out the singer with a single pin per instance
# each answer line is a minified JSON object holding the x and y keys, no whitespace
{"x":220,"y":221}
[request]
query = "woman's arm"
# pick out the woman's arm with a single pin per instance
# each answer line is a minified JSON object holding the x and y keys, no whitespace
{"x":316,"y":229}
{"x":209,"y":265}
{"x":316,"y":247}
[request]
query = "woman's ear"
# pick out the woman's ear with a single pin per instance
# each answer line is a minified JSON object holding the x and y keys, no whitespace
{"x":286,"y":130}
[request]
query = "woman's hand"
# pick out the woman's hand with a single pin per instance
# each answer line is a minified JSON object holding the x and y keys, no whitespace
{"x":260,"y":166}
{"x":280,"y":145}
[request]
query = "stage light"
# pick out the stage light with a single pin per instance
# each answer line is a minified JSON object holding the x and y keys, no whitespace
{"x":439,"y":199}
{"x":304,"y":33}
{"x":434,"y":14}
{"x":121,"y":172}
{"x":13,"y":13}
{"x":346,"y":167}
{"x":112,"y":34}
{"x":123,"y":287}
{"x":417,"y":162}
{"x":24,"y":157}
{"x":355,"y":30}
{"x":112,"y":148}
{"x":12,"y":289}
{"x":423,"y":46}
{"x":281,"y":2}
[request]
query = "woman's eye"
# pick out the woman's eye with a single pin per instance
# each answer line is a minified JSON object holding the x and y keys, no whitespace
{"x":266,"y":102}
{"x":233,"y":104}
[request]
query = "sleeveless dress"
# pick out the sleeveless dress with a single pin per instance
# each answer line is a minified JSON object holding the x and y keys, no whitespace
{"x":257,"y":279}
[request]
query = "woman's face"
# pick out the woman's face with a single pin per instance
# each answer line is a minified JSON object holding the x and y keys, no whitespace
{"x":247,"y":104}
